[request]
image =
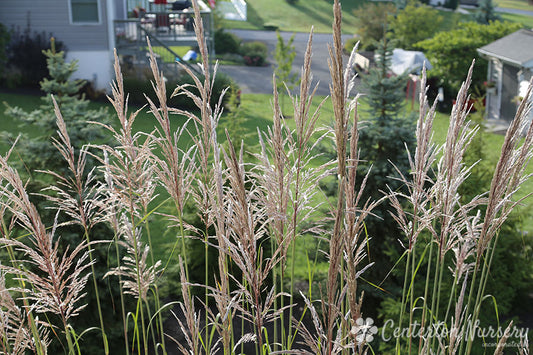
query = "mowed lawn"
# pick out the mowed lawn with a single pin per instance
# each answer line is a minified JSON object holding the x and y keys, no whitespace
{"x":515,"y":4}
{"x":296,"y":17}
{"x":272,"y":14}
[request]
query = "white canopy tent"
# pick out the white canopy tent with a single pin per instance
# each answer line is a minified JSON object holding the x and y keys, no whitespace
{"x":412,"y":61}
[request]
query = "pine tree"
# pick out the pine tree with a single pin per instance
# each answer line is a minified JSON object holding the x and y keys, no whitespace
{"x":37,"y":153}
{"x":382,"y":141}
{"x":486,"y":12}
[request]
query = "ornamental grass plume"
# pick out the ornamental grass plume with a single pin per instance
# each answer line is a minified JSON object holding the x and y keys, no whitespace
{"x":15,"y":332}
{"x":57,"y":280}
{"x":77,"y":195}
{"x":137,"y":275}
{"x":191,"y":328}
{"x":208,"y":191}
{"x":246,"y":230}
{"x":416,"y":195}
{"x":452,"y":172}
{"x":176,"y":168}
{"x":509,"y":173}
{"x":131,"y":182}
{"x":333,"y":329}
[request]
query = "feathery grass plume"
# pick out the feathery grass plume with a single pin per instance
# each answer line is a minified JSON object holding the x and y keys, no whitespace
{"x":176,"y":168}
{"x":246,"y":228}
{"x":356,"y":210}
{"x":57,"y":281}
{"x":305,"y":177}
{"x":348,"y":215}
{"x":523,"y":349}
{"x":208,"y":192}
{"x":450,"y":215}
{"x":413,"y":210}
{"x":509,"y":173}
{"x":138,"y":277}
{"x":452,"y":172}
{"x":131,"y":182}
{"x":422,"y":215}
{"x":464,"y":248}
{"x":507,"y":179}
{"x":274,"y":176}
{"x":331,"y":309}
{"x":191,"y":329}
{"x":15,"y":333}
{"x":130,"y":165}
{"x":503,"y":340}
{"x":78,"y":195}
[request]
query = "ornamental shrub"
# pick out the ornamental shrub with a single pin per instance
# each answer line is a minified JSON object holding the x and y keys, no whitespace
{"x":254,"y":53}
{"x":226,"y":42}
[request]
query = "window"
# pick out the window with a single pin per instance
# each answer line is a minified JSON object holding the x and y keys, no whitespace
{"x":84,"y":11}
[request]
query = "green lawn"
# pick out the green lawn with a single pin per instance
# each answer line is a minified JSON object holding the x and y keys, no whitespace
{"x":515,"y":4}
{"x":297,"y":17}
{"x":526,"y":21}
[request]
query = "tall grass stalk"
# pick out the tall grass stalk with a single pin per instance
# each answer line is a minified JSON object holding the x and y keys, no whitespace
{"x":79,"y":196}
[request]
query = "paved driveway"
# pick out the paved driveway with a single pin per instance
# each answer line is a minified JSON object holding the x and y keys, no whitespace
{"x":259,"y":79}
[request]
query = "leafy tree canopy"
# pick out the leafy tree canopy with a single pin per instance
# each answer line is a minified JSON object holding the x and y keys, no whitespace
{"x":373,"y":23}
{"x":451,"y":53}
{"x":413,"y":24}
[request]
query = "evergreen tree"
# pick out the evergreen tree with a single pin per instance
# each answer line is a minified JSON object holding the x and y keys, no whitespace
{"x":37,"y":153}
{"x":383,"y":141}
{"x":486,"y":12}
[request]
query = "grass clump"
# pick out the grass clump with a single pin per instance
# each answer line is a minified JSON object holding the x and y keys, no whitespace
{"x":248,"y":216}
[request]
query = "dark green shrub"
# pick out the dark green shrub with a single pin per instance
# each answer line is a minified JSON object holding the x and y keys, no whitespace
{"x":451,"y":4}
{"x":254,"y":53}
{"x":25,"y":58}
{"x":226,"y":42}
{"x":137,"y":89}
{"x":269,"y":26}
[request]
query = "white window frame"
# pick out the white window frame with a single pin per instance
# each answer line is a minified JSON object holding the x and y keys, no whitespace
{"x":96,"y":23}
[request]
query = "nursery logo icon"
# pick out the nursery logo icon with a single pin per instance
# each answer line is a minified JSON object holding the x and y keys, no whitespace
{"x":364,"y":330}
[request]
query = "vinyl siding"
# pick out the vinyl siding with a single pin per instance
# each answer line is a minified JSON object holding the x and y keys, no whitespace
{"x":52,"y":16}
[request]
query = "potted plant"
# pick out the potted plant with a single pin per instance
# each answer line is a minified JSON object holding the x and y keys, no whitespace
{"x":490,"y":87}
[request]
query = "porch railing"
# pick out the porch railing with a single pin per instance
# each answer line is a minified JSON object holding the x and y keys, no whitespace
{"x":165,"y":30}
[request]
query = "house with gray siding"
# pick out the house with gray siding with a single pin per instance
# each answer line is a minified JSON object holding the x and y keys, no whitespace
{"x":92,"y":29}
{"x":510,"y":69}
{"x":85,"y":26}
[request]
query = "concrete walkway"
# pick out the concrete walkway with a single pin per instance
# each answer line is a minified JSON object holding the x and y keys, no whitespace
{"x":259,"y":79}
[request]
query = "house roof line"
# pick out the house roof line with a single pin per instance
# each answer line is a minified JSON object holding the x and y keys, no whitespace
{"x":494,"y":55}
{"x":515,"y":48}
